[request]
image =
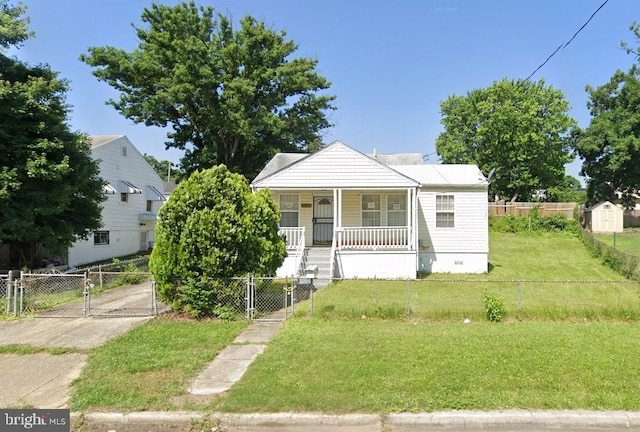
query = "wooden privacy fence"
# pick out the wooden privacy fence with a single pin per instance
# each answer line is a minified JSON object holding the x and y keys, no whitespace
{"x":501,"y":208}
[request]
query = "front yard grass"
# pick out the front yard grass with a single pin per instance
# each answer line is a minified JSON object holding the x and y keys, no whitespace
{"x":382,"y":366}
{"x":369,"y":347}
{"x":148,"y":366}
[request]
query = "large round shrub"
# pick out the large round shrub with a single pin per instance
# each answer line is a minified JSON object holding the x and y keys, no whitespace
{"x":211,"y":229}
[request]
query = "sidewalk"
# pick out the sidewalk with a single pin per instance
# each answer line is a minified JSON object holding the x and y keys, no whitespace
{"x":232,"y":362}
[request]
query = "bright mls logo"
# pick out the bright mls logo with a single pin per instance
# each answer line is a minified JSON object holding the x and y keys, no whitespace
{"x":54,"y":420}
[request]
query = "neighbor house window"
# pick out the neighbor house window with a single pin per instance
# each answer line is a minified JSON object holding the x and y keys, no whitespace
{"x":289,"y":210}
{"x":149,"y":205}
{"x":100,"y":238}
{"x":124,"y":151}
{"x":444,"y":211}
{"x":124,"y":197}
{"x":396,"y":210}
{"x":370,"y":210}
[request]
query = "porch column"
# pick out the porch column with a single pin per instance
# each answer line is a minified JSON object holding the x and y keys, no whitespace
{"x":410,"y":221}
{"x":336,"y":215}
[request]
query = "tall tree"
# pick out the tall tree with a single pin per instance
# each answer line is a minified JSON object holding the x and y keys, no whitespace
{"x":610,"y":146}
{"x":50,"y":190}
{"x":517,"y":129}
{"x":232,"y":97}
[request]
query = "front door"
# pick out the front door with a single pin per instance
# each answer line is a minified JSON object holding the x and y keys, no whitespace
{"x":144,"y":236}
{"x":322,"y":220}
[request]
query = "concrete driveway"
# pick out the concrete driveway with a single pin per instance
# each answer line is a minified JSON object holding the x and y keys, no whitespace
{"x":42,"y":380}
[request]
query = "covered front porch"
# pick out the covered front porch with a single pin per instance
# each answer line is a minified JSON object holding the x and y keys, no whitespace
{"x":370,"y":233}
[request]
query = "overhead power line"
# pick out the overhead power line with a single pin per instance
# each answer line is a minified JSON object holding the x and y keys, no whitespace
{"x":570,"y":40}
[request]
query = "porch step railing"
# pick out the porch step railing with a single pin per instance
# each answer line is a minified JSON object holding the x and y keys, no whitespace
{"x":295,"y":239}
{"x":292,"y":236}
{"x":373,"y":238}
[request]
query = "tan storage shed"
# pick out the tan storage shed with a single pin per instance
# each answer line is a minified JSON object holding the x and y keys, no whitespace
{"x":605,"y":217}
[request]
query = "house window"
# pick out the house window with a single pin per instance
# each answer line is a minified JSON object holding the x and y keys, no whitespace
{"x":100,"y":238}
{"x":289,"y":210}
{"x":149,"y":205}
{"x":124,"y":197}
{"x":396,"y":210}
{"x":445,"y":211}
{"x":370,"y":210}
{"x":124,"y":151}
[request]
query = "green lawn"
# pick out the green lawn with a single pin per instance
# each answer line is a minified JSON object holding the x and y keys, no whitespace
{"x":382,"y":367}
{"x":628,"y":241}
{"x":377,"y":346}
{"x":148,"y":366}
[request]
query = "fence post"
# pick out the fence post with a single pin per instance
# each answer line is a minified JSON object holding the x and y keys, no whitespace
{"x":8,"y":288}
{"x":21,"y":289}
{"x":100,"y":273}
{"x":154,"y":301}
{"x":311,"y":298}
{"x":518,"y":288}
{"x":85,"y":295}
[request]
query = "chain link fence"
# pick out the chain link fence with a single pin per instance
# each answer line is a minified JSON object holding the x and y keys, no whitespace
{"x":460,"y":299}
{"x":82,"y":294}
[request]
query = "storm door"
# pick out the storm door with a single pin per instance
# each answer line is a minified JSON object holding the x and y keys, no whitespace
{"x":322,"y":220}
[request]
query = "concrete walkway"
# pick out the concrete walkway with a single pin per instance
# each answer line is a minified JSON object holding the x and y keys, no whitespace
{"x":232,"y":362}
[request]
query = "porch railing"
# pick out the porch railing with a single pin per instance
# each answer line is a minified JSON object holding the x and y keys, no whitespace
{"x":373,"y":238}
{"x":296,"y":243}
{"x":292,"y":236}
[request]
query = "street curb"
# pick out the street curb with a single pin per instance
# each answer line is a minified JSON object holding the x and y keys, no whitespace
{"x":497,"y":419}
{"x":404,"y":422}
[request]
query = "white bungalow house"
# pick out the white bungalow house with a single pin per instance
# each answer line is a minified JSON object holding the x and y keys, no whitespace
{"x":378,"y":216}
{"x":134,"y":195}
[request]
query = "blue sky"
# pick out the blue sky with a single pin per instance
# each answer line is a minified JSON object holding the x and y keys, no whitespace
{"x":390,"y":63}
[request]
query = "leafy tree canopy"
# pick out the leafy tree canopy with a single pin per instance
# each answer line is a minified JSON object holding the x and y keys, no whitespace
{"x":213,"y":228}
{"x":14,"y":27}
{"x":610,"y":146}
{"x":570,"y":190}
{"x":231,"y":96}
{"x":517,"y":129}
{"x":49,"y":185}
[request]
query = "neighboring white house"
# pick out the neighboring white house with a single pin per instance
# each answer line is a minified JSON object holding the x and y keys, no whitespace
{"x":605,"y":217}
{"x":134,"y":194}
{"x":379,"y":216}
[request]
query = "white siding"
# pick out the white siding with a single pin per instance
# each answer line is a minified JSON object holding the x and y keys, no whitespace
{"x":120,"y":218}
{"x":336,"y":166}
{"x":471,"y":232}
{"x":377,"y":265}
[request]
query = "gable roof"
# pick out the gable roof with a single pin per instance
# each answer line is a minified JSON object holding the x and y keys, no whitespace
{"x":335,"y":166}
{"x":279,"y":161}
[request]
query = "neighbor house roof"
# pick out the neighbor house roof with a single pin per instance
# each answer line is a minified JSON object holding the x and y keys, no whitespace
{"x":100,"y":140}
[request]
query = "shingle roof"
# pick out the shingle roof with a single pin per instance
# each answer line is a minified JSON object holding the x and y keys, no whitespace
{"x":278,"y":162}
{"x":100,"y":140}
{"x":443,"y":175}
{"x":398,"y":158}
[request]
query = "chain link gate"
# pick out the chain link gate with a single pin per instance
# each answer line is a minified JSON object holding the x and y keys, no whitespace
{"x":82,"y":295}
{"x":269,"y":299}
